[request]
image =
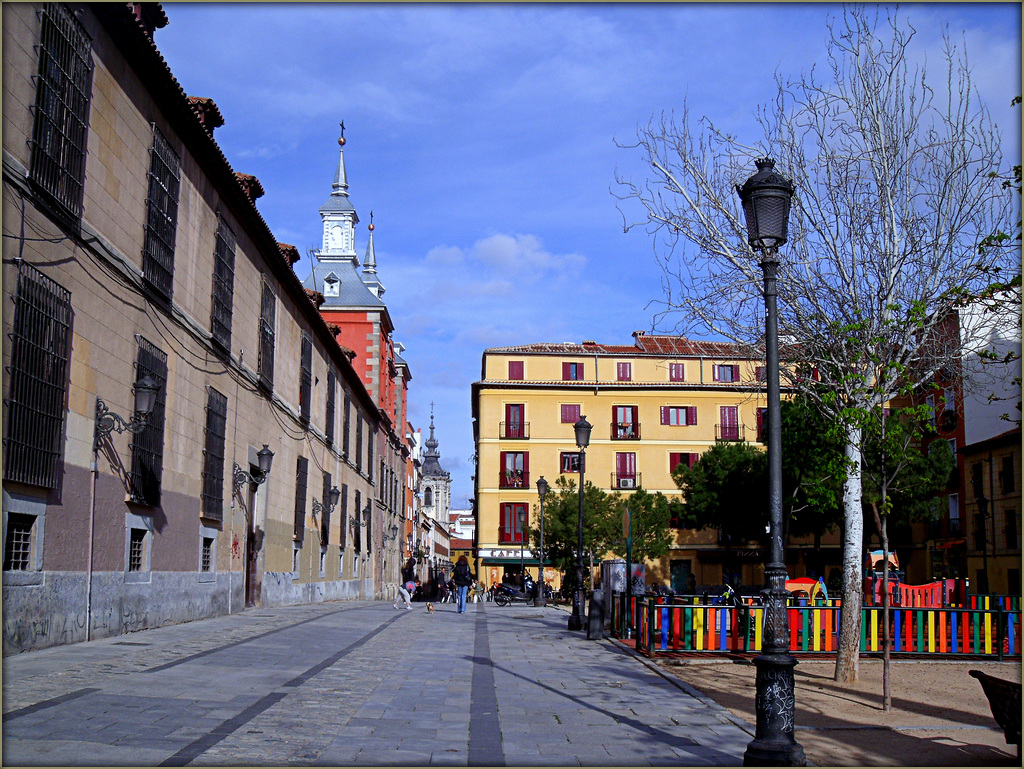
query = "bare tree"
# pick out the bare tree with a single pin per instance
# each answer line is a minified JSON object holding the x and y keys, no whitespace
{"x":894,"y":195}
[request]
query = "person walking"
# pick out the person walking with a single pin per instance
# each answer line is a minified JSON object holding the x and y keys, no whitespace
{"x":409,"y":578}
{"x":463,"y":579}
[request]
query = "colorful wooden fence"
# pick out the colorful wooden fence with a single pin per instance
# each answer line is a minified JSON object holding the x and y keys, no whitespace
{"x":691,"y":627}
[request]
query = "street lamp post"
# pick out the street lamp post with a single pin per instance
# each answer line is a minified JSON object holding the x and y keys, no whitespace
{"x":582,"y":429}
{"x":766,"y":198}
{"x":540,"y":597}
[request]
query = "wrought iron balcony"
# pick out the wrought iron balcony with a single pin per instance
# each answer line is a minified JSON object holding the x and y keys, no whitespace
{"x":514,"y":430}
{"x":625,"y":431}
{"x":729,"y":432}
{"x":626,"y":480}
{"x":514,"y":479}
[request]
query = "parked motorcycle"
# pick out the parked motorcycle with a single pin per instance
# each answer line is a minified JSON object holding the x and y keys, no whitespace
{"x":505,"y":595}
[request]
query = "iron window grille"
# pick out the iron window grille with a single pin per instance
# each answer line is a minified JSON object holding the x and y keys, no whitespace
{"x":344,"y":515}
{"x":206,"y":559}
{"x":329,"y":419}
{"x":148,"y":445}
{"x":266,"y":359}
{"x":213,"y":461}
{"x":325,"y":520}
{"x":38,"y":372}
{"x":137,"y":550}
{"x":345,"y":431}
{"x":305,"y":377}
{"x":223,"y":285}
{"x":18,"y":545}
{"x":161,"y":215}
{"x":369,"y":452}
{"x":60,"y":124}
{"x":358,"y":528}
{"x":301,"y":475}
{"x":359,"y":441}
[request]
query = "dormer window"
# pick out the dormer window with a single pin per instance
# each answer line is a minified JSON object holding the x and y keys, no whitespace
{"x":332,"y":286}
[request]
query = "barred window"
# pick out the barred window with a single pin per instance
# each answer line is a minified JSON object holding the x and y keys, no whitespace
{"x":357,"y":516}
{"x":343,"y":515}
{"x":305,"y":377}
{"x":345,"y":432}
{"x":38,"y":372}
{"x":369,"y":451}
{"x":161,"y":215}
{"x":301,"y":475}
{"x":213,"y":455}
{"x":148,"y":445}
{"x":359,"y":441}
{"x":223,"y":285}
{"x":18,"y":546}
{"x":325,"y":523}
{"x":137,"y":550}
{"x":206,"y":557}
{"x":266,"y":360}
{"x":60,"y":125}
{"x":329,"y":420}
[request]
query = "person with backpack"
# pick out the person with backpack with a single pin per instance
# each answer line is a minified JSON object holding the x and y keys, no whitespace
{"x":463,"y":579}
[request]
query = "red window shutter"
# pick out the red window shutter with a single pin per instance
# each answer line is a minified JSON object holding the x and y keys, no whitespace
{"x":566,"y":372}
{"x":693,"y":459}
{"x":664,"y":415}
{"x":570,"y":413}
{"x":515,"y":369}
{"x":526,"y":464}
{"x":691,"y":415}
{"x":677,"y":458}
{"x":735,"y":373}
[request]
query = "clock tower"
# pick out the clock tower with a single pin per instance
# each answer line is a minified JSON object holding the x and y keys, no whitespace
{"x":339,"y":216}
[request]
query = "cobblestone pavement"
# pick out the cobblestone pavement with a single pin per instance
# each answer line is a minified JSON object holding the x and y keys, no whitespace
{"x":357,"y":683}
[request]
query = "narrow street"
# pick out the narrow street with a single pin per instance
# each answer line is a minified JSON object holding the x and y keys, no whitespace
{"x":356,"y":683}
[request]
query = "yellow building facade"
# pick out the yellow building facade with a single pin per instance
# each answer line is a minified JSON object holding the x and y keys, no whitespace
{"x":658,"y":402}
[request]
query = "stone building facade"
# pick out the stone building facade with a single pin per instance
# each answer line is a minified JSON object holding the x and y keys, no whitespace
{"x":133,"y":249}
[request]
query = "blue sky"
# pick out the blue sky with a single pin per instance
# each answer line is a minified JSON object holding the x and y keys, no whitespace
{"x":482,"y":138}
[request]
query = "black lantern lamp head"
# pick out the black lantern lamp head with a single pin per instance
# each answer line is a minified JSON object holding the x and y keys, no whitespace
{"x":334,"y":497}
{"x":145,"y":390}
{"x":542,"y":488}
{"x":583,"y":428}
{"x":264,"y":460}
{"x":766,"y":198}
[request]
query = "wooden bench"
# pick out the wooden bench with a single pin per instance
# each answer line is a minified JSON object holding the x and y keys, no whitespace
{"x":1004,"y":699}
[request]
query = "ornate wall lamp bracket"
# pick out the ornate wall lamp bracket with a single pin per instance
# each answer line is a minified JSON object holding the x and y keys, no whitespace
{"x":265,"y":458}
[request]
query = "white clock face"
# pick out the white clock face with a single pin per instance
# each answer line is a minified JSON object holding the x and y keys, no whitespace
{"x":336,"y":236}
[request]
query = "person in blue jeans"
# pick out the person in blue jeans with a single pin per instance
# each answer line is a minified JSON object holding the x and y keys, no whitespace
{"x":463,"y":579}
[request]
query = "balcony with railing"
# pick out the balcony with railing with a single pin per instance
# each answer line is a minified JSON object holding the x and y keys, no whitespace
{"x":510,"y":536}
{"x":514,"y":430}
{"x":729,"y":432}
{"x":625,"y":431}
{"x":514,"y":479}
{"x":626,"y":480}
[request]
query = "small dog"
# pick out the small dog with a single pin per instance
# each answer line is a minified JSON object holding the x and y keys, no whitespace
{"x":430,"y":608}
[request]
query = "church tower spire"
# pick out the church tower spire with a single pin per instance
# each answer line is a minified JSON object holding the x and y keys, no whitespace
{"x":370,"y":279}
{"x":339,"y":216}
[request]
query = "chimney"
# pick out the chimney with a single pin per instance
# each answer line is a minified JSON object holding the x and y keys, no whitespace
{"x":207,"y":112}
{"x":250,"y":186}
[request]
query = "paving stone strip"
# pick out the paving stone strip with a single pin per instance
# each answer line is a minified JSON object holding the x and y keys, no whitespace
{"x":357,"y":684}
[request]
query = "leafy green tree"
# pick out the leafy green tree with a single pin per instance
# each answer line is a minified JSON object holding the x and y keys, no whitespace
{"x":650,"y":518}
{"x":561,"y":517}
{"x":727,"y":490}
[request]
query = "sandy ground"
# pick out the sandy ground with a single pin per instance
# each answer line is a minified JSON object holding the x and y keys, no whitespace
{"x":939,"y":716}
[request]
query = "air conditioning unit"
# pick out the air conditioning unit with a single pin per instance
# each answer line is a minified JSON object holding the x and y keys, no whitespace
{"x":627,"y":483}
